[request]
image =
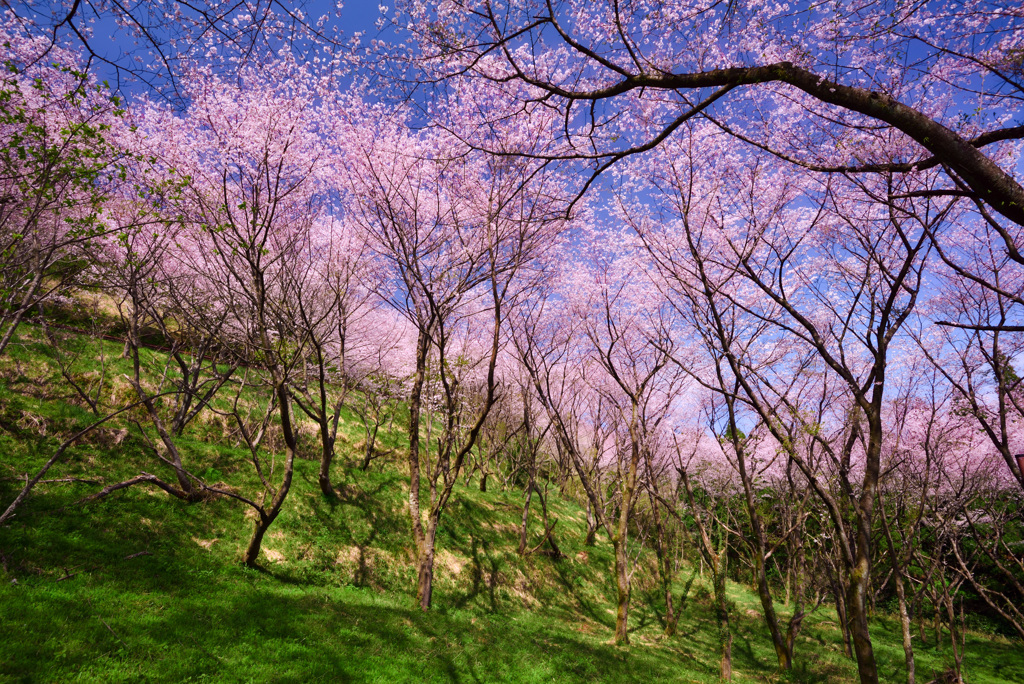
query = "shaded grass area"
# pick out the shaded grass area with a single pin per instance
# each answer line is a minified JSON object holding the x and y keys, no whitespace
{"x":143,"y":587}
{"x":86,"y":607}
{"x":247,"y":631}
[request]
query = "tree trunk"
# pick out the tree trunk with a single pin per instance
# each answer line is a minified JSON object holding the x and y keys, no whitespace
{"x":954,"y":632}
{"x":528,"y":424}
{"x":844,"y":623}
{"x":425,"y":579}
{"x":719,"y":570}
{"x":548,"y":529}
{"x":796,"y":573}
{"x":268,"y":515}
{"x":424,"y":544}
{"x":671,"y":620}
{"x":371,"y":445}
{"x":326,"y":457}
{"x":908,"y":647}
{"x":622,"y":586}
{"x":899,"y":566}
{"x":860,"y":573}
{"x":592,"y":524}
{"x":857,"y":604}
{"x":919,"y":612}
{"x":664,"y":563}
{"x":165,"y":438}
{"x":760,"y":576}
{"x":789,"y":583}
{"x":526,"y":517}
{"x":252,"y":552}
{"x":717,"y":557}
{"x":20,"y":312}
{"x":782,"y":652}
{"x":622,"y":535}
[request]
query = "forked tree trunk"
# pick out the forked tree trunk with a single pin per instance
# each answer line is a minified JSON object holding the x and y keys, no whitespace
{"x":899,"y":566}
{"x":425,"y":577}
{"x":174,"y":456}
{"x":267,"y":515}
{"x":371,"y":445}
{"x":718,"y":559}
{"x":24,"y":307}
{"x":954,"y":630}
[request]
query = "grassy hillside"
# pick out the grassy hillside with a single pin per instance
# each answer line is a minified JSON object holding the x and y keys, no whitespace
{"x":143,"y":587}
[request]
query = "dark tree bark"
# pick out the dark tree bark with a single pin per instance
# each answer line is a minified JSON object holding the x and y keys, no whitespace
{"x":266,"y":515}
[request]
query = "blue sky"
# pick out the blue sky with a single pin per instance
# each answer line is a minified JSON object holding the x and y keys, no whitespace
{"x":113,"y":44}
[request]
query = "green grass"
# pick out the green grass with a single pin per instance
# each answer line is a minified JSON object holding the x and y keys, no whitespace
{"x":142,"y":587}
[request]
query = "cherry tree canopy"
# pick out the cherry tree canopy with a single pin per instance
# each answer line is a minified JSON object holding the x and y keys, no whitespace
{"x":845,"y":86}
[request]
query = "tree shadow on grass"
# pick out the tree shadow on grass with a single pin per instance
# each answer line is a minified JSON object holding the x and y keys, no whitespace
{"x":484,"y":574}
{"x":265,"y":631}
{"x":563,"y":571}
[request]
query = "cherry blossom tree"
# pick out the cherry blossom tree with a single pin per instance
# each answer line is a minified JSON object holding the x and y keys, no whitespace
{"x":380,"y":370}
{"x":601,"y":355}
{"x":630,"y":341}
{"x":972,"y":336}
{"x":253,"y":153}
{"x":460,"y":232}
{"x":548,"y":342}
{"x":59,"y":163}
{"x":709,"y":485}
{"x":720,"y":331}
{"x":331,"y":306}
{"x":833,"y":270}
